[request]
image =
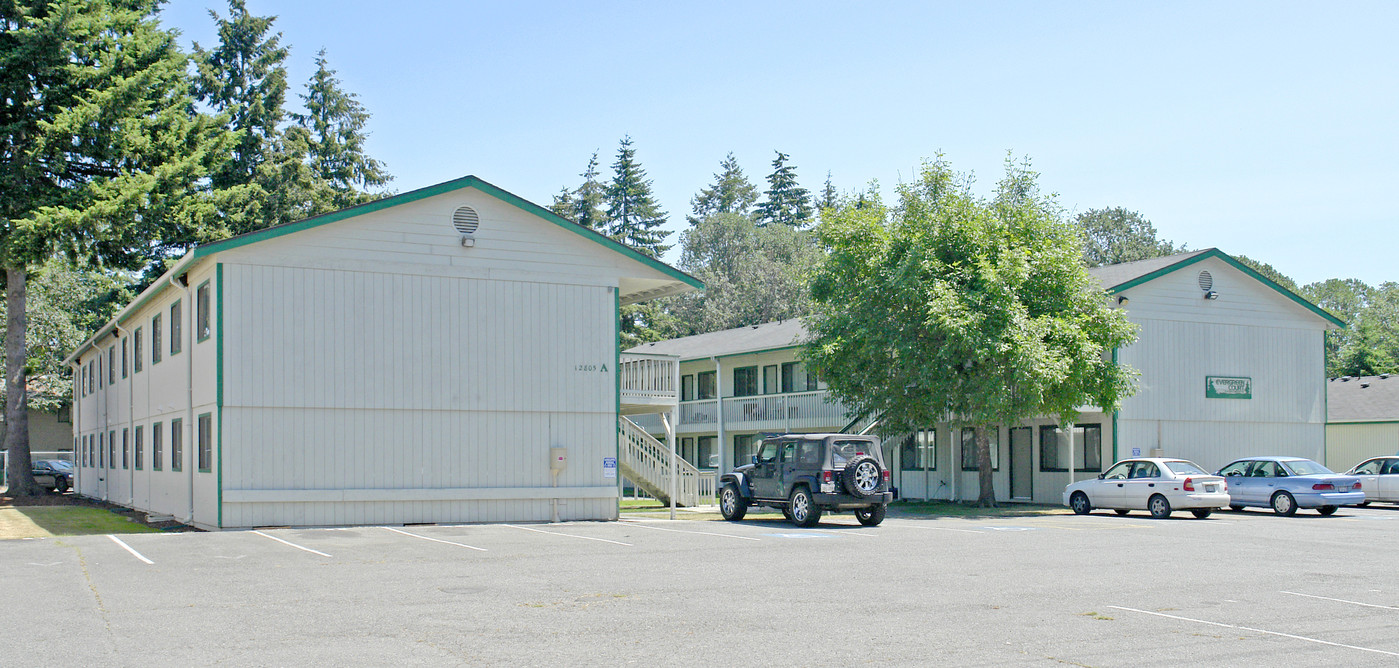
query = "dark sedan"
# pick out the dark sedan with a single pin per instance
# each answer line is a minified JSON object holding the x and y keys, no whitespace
{"x":54,"y":474}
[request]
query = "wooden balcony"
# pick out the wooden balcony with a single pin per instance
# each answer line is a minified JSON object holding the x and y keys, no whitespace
{"x":649,"y":383}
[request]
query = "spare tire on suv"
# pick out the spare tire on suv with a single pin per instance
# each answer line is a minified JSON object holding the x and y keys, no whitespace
{"x":862,"y":476}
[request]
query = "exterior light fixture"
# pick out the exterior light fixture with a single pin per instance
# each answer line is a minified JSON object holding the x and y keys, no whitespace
{"x":1123,"y":301}
{"x":1211,"y":295}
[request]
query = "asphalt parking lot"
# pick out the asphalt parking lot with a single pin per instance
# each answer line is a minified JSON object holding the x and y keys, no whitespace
{"x":1236,"y":589}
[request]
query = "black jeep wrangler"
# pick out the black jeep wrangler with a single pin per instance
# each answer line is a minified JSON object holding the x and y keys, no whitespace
{"x":807,"y":474}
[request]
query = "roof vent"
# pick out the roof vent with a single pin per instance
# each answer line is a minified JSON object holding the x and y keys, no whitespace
{"x":1206,"y":281}
{"x":1345,"y":379}
{"x":1364,"y":384}
{"x":466,"y":221}
{"x":1384,"y":376}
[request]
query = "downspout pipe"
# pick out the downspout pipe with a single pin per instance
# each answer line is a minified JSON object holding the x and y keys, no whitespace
{"x":78,"y":449}
{"x":130,"y":412}
{"x":185,"y":311}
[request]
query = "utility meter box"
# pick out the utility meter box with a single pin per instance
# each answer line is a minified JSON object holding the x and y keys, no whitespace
{"x":558,"y":458}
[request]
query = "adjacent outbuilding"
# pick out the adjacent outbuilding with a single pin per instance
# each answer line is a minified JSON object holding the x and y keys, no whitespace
{"x":445,"y":355}
{"x":1232,"y":365}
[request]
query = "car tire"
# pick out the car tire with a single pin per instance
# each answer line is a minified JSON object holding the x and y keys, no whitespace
{"x":60,"y":485}
{"x":1158,"y":505}
{"x":1327,"y":510}
{"x":787,"y":513}
{"x":1283,"y":504}
{"x":862,"y":476}
{"x":1121,"y":511}
{"x":805,"y":512}
{"x":1237,"y":509}
{"x":1079,"y":502}
{"x":1201,"y":513}
{"x":1362,"y":504}
{"x":872,"y":516}
{"x":732,"y":505}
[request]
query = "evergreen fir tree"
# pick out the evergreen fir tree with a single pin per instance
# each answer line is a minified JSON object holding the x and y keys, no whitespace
{"x":335,"y":122}
{"x":244,"y":78}
{"x":634,"y":218}
{"x":828,"y":194}
{"x":103,"y":155}
{"x":732,"y":192}
{"x":586,"y":206}
{"x":787,"y":203}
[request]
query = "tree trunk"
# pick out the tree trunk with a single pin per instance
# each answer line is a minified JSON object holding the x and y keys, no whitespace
{"x":987,"y":498}
{"x":18,"y":473}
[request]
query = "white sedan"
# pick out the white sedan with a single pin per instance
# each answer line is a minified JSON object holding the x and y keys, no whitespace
{"x":1154,"y":484}
{"x":1380,"y":479}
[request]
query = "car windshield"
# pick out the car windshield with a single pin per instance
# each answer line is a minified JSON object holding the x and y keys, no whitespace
{"x":60,"y":464}
{"x":1185,"y":468}
{"x":843,"y":451}
{"x":1306,"y":467}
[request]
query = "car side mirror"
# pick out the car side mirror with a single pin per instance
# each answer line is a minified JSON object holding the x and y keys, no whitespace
{"x":755,"y":460}
{"x":1102,"y":475}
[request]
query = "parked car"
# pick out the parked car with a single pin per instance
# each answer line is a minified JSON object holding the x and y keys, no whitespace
{"x":805,"y":475}
{"x":54,"y":474}
{"x":1157,"y":485}
{"x":1288,"y":483}
{"x":1380,"y":477}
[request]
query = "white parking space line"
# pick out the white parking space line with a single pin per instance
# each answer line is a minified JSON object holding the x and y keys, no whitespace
{"x":702,"y":533}
{"x":128,"y":548}
{"x":1245,"y":628}
{"x":279,"y":540}
{"x":1341,"y":600}
{"x":568,"y":535}
{"x":916,"y":526}
{"x":436,"y":540}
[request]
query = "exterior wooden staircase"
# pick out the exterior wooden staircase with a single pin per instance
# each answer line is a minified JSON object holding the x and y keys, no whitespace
{"x":646,"y":462}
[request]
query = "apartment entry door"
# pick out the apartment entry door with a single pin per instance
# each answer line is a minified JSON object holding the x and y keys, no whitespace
{"x":1021,"y":466}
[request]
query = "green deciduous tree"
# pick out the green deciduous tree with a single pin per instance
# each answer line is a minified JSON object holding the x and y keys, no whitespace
{"x":1346,"y":299}
{"x":751,"y":274}
{"x":731,"y":192}
{"x":634,"y":218}
{"x":787,"y":203}
{"x":334,"y":121}
{"x":950,"y":307}
{"x":1268,"y":271}
{"x":1116,"y":235}
{"x":100,"y":154}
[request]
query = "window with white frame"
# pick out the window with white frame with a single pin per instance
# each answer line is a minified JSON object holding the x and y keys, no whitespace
{"x":919,"y":451}
{"x":969,"y":459}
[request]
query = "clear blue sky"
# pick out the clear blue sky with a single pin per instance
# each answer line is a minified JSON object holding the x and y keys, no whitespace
{"x":1266,"y":129}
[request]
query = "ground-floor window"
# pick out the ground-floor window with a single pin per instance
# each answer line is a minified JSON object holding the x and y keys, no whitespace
{"x":177,"y":445}
{"x":993,"y":434}
{"x":745,"y":446}
{"x":1087,"y":447}
{"x":919,"y":451}
{"x":687,"y":450}
{"x":140,"y":447}
{"x":112,"y":448}
{"x":206,"y":443}
{"x":704,"y":452}
{"x":157,"y":447}
{"x":125,"y":448}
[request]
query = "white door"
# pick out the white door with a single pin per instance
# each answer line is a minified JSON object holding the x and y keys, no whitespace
{"x":1388,"y":481}
{"x":1108,"y":492}
{"x":1143,"y":482}
{"x":1369,"y":473}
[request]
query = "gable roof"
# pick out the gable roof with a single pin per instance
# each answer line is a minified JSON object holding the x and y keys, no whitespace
{"x":190,"y":258}
{"x":736,"y":341}
{"x":1362,"y":399}
{"x":1119,"y":277}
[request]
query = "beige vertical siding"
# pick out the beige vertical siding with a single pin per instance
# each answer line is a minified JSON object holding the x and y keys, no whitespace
{"x":1348,"y":444}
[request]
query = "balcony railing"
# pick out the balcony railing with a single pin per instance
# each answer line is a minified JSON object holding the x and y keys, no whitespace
{"x":648,"y":381}
{"x":772,"y":412}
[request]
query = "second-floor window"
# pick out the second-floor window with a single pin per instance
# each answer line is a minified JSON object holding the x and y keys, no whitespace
{"x":136,"y":349}
{"x":745,"y":381}
{"x":770,"y":379}
{"x":176,"y":328}
{"x":795,"y":378}
{"x":705,"y":385}
{"x":687,"y":388}
{"x":155,"y":339}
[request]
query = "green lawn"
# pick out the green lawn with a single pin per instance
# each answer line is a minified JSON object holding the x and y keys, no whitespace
{"x":39,"y":521}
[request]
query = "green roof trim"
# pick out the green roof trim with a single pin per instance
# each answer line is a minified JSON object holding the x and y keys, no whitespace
{"x":1225,"y":257}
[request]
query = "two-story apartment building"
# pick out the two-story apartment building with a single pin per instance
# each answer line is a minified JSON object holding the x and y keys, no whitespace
{"x":1231,"y":365}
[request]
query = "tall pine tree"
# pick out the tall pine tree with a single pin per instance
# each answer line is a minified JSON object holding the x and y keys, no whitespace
{"x":335,"y":120}
{"x":102,"y":155}
{"x":828,"y":194}
{"x":787,"y":203}
{"x":731,"y":192}
{"x":584,"y":205}
{"x":244,"y":76}
{"x":634,"y":218}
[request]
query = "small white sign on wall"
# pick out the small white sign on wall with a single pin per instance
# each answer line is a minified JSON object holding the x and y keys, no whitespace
{"x":609,"y":467}
{"x":1136,"y":452}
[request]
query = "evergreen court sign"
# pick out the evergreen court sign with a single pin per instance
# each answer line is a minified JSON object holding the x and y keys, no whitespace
{"x":1228,"y":387}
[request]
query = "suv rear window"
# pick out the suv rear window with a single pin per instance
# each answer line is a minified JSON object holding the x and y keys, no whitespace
{"x":844,"y":451}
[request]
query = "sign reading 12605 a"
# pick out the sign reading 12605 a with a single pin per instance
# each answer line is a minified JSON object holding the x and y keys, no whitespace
{"x":1228,"y":387}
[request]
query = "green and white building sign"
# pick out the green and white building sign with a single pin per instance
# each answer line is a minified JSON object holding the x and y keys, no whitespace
{"x":1228,"y":387}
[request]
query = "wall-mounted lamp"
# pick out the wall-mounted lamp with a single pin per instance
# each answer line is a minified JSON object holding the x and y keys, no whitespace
{"x":1211,"y":295}
{"x":1122,"y":301}
{"x":467,"y":241}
